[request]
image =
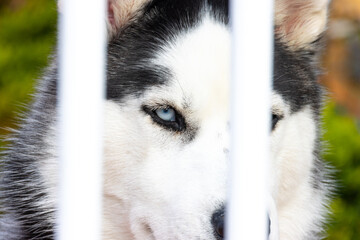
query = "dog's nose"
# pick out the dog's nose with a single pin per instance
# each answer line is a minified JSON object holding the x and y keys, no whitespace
{"x":217,"y":221}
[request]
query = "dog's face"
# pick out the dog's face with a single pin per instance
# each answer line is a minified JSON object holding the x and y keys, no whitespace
{"x":167,"y":125}
{"x":168,"y":155}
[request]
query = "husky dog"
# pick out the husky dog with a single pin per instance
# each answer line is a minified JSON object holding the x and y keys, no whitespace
{"x":166,"y":127}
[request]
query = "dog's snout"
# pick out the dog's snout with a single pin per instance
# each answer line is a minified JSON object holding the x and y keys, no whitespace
{"x":218,"y":223}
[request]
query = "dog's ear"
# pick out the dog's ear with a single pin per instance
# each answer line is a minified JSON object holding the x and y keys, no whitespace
{"x":120,"y":12}
{"x":298,"y":23}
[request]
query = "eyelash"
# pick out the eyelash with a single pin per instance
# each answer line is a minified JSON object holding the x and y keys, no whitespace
{"x":177,"y":125}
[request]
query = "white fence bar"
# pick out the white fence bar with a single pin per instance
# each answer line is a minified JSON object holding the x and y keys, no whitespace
{"x":81,"y":91}
{"x":252,"y":28}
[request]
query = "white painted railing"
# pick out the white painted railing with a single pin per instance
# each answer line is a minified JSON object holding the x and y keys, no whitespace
{"x":82,"y":66}
{"x":252,"y":47}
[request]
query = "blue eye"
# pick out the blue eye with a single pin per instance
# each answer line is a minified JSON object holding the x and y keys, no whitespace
{"x":166,"y":114}
{"x":166,"y":117}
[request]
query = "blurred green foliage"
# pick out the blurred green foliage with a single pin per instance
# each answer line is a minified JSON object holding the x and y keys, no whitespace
{"x":27,"y":38}
{"x":343,"y":138}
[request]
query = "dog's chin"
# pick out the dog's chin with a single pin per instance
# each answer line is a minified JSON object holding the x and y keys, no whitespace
{"x":142,"y":230}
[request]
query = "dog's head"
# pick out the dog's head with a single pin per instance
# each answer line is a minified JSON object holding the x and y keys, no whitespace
{"x":167,"y":117}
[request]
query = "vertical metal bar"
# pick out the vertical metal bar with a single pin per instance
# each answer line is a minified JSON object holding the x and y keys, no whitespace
{"x":81,"y":90}
{"x":252,"y":39}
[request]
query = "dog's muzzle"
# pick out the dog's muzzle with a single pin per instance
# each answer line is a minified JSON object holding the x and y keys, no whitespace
{"x":218,"y":223}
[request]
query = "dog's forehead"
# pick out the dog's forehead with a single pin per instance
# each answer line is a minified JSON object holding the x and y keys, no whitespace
{"x":175,"y":44}
{"x":199,"y":63}
{"x":131,"y":69}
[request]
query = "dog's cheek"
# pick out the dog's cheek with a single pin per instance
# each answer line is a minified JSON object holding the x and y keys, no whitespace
{"x":124,"y":147}
{"x":294,"y":160}
{"x":185,"y":180}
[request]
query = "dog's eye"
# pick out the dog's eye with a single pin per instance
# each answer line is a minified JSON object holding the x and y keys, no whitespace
{"x":166,"y":114}
{"x":167,"y":117}
{"x":274,"y":120}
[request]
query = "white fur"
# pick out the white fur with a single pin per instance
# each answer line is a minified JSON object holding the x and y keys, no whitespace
{"x":292,"y":146}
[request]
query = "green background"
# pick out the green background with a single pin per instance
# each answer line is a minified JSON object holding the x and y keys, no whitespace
{"x":27,"y":38}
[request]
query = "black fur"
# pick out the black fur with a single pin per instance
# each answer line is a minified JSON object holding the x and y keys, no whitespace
{"x":21,"y":184}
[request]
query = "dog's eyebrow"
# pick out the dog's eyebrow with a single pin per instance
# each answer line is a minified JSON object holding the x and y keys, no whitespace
{"x":277,"y":110}
{"x":178,"y":82}
{"x":186,"y":102}
{"x":162,"y":102}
